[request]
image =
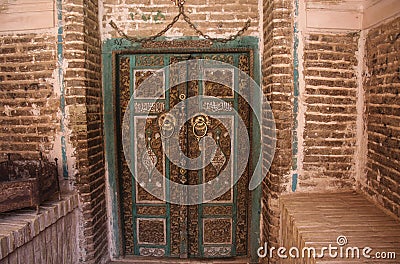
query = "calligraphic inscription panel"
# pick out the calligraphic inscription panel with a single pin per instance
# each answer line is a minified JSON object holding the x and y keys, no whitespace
{"x":151,"y":226}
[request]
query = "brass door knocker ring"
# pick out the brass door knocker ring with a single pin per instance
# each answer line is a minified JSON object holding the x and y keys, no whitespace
{"x":200,"y":126}
{"x":166,"y":122}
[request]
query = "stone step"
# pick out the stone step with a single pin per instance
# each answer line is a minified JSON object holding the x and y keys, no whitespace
{"x":317,"y":220}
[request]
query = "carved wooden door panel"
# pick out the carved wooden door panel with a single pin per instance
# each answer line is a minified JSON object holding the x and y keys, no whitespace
{"x":152,"y":227}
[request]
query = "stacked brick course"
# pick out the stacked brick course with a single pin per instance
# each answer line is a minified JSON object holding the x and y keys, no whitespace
{"x":146,"y":18}
{"x":49,"y":237}
{"x":316,"y":220}
{"x":382,"y":87}
{"x":83,"y":103}
{"x":330,"y":65}
{"x":29,"y":112}
{"x":29,"y":104}
{"x":277,"y":72}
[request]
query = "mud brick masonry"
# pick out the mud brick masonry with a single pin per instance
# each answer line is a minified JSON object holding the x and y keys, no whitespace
{"x":333,"y":86}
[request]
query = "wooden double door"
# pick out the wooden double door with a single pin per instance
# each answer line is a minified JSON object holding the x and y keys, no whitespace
{"x":151,"y":226}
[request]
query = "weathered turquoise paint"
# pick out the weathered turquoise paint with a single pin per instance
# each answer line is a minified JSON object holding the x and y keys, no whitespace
{"x":255,"y":238}
{"x":111,"y":159}
{"x":296,"y":98}
{"x":60,"y":58}
{"x":167,"y":164}
{"x":294,"y":181}
{"x":117,"y":44}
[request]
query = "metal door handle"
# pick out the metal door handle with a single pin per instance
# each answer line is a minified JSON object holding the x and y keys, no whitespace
{"x":166,"y":123}
{"x":200,"y":126}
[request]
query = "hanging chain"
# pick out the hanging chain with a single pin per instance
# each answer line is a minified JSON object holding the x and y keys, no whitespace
{"x":172,"y":23}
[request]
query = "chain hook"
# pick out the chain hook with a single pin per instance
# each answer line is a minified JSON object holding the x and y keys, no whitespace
{"x":180,"y":4}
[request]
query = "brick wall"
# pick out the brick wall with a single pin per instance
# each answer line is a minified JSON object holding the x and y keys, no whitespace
{"x":277,"y":72}
{"x":82,"y":50}
{"x":382,"y":87}
{"x":48,"y":237}
{"x":28,"y":101}
{"x":147,"y":17}
{"x":30,"y":110}
{"x":330,"y":65}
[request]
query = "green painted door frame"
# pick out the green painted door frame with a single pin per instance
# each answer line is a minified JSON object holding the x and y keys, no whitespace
{"x":110,"y":48}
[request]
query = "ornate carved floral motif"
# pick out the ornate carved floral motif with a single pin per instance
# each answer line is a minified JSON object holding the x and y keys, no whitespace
{"x":152,"y":227}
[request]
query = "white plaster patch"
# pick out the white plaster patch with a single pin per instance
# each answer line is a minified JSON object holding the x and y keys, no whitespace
{"x":379,"y":11}
{"x":173,"y":32}
{"x":8,"y":110}
{"x":55,"y":79}
{"x":360,"y":157}
{"x":37,"y":15}
{"x":35,"y":110}
{"x":64,"y":65}
{"x":56,"y":152}
{"x":112,"y":220}
{"x":287,"y":186}
{"x":378,"y":176}
{"x":106,"y":31}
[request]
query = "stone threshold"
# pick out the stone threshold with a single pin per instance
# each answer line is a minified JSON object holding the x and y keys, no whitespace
{"x":20,"y":226}
{"x":163,"y":260}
